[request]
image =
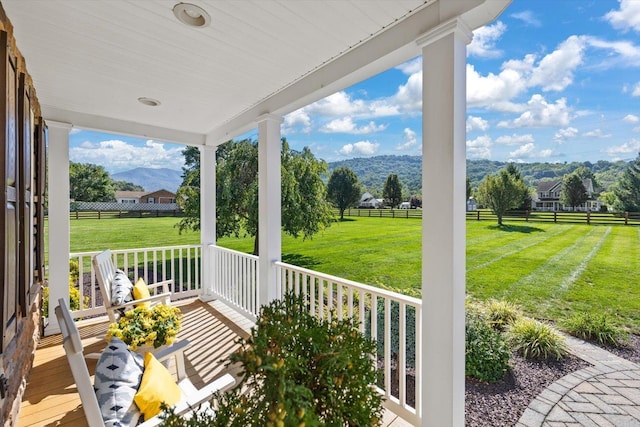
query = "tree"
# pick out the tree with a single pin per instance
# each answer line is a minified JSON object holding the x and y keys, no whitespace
{"x":305,"y":210}
{"x":343,"y":189}
{"x":415,"y":202}
{"x":627,"y":189}
{"x":501,"y":192}
{"x":126,"y":186}
{"x":525,"y":201}
{"x":573,"y":191}
{"x":90,"y":183}
{"x":392,"y":192}
{"x":469,"y":189}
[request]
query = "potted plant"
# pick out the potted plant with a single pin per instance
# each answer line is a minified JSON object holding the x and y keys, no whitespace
{"x":147,"y":326}
{"x":298,"y":370}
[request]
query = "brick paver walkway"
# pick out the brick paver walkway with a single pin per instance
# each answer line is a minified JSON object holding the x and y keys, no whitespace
{"x":604,"y":395}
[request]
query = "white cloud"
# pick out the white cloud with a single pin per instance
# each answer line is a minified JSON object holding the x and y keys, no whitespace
{"x":347,"y":125}
{"x":636,"y":90}
{"x":411,"y":67}
{"x":483,"y":44}
{"x":555,"y":70}
{"x":476,"y":123}
{"x":338,"y":104}
{"x":596,"y":133}
{"x":626,"y":53}
{"x":628,"y":17}
{"x":526,"y":150}
{"x":563,"y":134}
{"x":74,"y":131}
{"x":297,"y":119}
{"x":515,"y":139}
{"x":528,"y":18}
{"x":410,"y":140}
{"x":479,"y":148}
{"x":117,"y":156}
{"x":630,"y":147}
{"x":493,"y":89}
{"x":408,"y":98}
{"x":364,"y":148}
{"x":631,"y":118}
{"x":540,"y":113}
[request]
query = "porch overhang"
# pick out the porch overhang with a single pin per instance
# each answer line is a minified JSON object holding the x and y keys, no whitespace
{"x":90,"y":61}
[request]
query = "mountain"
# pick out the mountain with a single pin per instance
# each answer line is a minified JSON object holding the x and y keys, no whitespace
{"x":152,"y":179}
{"x":373,"y":171}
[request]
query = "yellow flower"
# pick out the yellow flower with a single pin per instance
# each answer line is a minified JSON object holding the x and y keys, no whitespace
{"x":154,"y":326}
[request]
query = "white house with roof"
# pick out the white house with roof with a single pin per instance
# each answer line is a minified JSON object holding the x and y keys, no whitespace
{"x":548,"y":194}
{"x":369,"y":201}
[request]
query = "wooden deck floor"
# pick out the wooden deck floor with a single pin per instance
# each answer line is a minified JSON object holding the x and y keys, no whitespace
{"x":51,"y":397}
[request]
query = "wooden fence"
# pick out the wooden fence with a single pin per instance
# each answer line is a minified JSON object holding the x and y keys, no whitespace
{"x":626,"y":218}
{"x":109,"y":214}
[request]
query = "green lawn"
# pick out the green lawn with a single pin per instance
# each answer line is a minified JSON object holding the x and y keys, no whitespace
{"x":549,"y":269}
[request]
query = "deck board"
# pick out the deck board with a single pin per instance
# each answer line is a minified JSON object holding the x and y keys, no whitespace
{"x":51,"y":397}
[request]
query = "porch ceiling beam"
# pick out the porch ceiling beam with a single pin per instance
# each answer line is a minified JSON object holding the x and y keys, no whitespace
{"x":388,"y":49}
{"x":121,"y":127}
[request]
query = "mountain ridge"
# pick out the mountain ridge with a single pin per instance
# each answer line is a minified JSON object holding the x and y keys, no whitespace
{"x":152,"y":179}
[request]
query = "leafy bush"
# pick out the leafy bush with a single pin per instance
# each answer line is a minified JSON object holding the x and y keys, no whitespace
{"x":501,"y":314}
{"x":298,"y":370}
{"x":536,"y":340}
{"x":74,"y":292}
{"x":596,"y":327}
{"x":487,"y":354}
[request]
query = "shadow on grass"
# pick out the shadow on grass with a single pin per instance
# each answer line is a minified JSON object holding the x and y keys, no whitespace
{"x":300,"y":260}
{"x":343,"y":219}
{"x":515,"y":228}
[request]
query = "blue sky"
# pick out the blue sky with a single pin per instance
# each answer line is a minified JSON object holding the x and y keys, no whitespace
{"x":549,"y":81}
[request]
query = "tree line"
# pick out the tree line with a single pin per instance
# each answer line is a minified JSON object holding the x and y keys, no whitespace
{"x":92,"y":183}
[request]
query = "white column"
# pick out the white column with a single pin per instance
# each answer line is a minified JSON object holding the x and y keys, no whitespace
{"x":269,"y":205}
{"x":443,"y":223}
{"x":59,"y":229}
{"x":207,"y":217}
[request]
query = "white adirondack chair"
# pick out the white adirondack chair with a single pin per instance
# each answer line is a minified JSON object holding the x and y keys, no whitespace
{"x":105,"y":271}
{"x":192,"y":397}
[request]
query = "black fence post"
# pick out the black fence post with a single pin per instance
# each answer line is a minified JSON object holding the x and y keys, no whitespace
{"x":555,"y":216}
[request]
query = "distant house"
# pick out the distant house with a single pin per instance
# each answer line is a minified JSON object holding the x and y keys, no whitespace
{"x":369,"y":201}
{"x":547,"y":197}
{"x":472,"y":204}
{"x":160,"y":196}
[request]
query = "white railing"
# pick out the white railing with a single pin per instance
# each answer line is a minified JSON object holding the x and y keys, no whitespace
{"x":392,"y":319}
{"x":183,"y":264}
{"x":235,"y":280}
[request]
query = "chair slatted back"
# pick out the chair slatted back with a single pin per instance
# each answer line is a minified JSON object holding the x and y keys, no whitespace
{"x":73,"y":348}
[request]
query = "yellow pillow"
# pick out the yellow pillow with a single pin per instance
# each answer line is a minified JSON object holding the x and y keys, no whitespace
{"x":140,"y":290}
{"x":157,"y":386}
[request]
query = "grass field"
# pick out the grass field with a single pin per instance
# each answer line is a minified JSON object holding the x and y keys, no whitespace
{"x":550,"y":269}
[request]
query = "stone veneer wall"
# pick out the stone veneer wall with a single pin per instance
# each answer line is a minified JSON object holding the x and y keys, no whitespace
{"x":17,"y":359}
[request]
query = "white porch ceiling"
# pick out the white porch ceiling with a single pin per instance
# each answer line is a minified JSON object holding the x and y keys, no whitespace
{"x":91,"y":60}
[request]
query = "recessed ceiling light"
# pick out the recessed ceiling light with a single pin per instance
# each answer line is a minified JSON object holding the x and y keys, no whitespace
{"x":149,"y":101}
{"x":191,"y":15}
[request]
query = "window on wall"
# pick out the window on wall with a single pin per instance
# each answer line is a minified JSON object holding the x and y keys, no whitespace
{"x":151,"y":200}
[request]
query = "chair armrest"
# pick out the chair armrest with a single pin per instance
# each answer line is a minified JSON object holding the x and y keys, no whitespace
{"x":166,"y":297}
{"x":175,"y":350}
{"x":164,"y":284}
{"x":202,"y":396}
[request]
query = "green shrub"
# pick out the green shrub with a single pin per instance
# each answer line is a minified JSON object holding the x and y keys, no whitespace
{"x":74,"y":292}
{"x":298,"y":370}
{"x":536,"y":340}
{"x":596,"y":327}
{"x":487,"y":354}
{"x":501,"y":314}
